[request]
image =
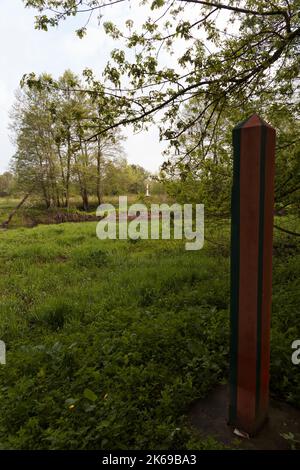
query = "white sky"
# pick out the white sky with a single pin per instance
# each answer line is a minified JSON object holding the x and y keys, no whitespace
{"x":24,"y":49}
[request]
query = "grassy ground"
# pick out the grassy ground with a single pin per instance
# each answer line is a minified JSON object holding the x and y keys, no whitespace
{"x":110,"y":341}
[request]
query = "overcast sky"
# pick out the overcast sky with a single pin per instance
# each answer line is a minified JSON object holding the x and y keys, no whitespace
{"x":24,"y":50}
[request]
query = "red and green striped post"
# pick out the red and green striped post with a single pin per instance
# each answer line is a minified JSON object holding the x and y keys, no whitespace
{"x":251,"y":273}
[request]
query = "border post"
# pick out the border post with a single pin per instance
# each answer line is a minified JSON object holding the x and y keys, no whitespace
{"x":251,"y":273}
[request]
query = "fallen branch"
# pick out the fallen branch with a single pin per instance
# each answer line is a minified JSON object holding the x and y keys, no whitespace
{"x":6,"y":223}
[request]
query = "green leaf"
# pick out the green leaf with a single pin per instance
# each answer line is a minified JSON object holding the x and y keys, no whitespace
{"x":81,"y":32}
{"x":157,"y":4}
{"x":89,"y":395}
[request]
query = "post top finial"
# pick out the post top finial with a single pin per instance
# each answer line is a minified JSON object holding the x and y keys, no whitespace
{"x":253,"y":121}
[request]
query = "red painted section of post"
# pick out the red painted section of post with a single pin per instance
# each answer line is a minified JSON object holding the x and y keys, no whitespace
{"x":249,"y":232}
{"x":252,"y":223}
{"x":267,"y":272}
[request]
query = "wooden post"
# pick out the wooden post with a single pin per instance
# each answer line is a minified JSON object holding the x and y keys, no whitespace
{"x":251,"y":273}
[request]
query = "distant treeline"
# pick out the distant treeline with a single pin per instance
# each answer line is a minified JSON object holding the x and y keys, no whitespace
{"x":54,"y":158}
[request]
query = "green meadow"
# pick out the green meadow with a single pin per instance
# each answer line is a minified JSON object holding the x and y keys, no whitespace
{"x":109,"y":342}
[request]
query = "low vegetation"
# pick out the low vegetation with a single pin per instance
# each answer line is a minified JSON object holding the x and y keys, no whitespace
{"x":109,"y":342}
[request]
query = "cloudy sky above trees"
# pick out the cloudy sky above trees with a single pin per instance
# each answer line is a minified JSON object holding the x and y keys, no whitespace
{"x":25,"y":50}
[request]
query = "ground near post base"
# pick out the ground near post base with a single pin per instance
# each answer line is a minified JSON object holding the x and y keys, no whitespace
{"x":209,"y":416}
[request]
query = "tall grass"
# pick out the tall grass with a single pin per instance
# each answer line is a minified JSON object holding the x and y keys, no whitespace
{"x":108,"y":342}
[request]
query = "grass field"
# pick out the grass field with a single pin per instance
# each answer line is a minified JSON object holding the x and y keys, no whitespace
{"x":109,"y":342}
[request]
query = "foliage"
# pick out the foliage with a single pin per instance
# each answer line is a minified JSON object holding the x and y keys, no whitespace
{"x":206,"y":65}
{"x":292,"y":440}
{"x":235,"y":51}
{"x":53,"y":157}
{"x":7,"y":184}
{"x":204,"y":172}
{"x":109,"y":353}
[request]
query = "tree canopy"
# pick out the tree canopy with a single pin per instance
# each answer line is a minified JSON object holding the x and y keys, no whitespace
{"x":233,"y":51}
{"x":55,"y":158}
{"x":196,"y":68}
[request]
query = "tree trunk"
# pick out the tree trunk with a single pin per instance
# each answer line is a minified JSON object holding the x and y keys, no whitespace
{"x":99,"y":172}
{"x":62,"y":174}
{"x":85,"y":200}
{"x":5,"y":224}
{"x":68,"y":171}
